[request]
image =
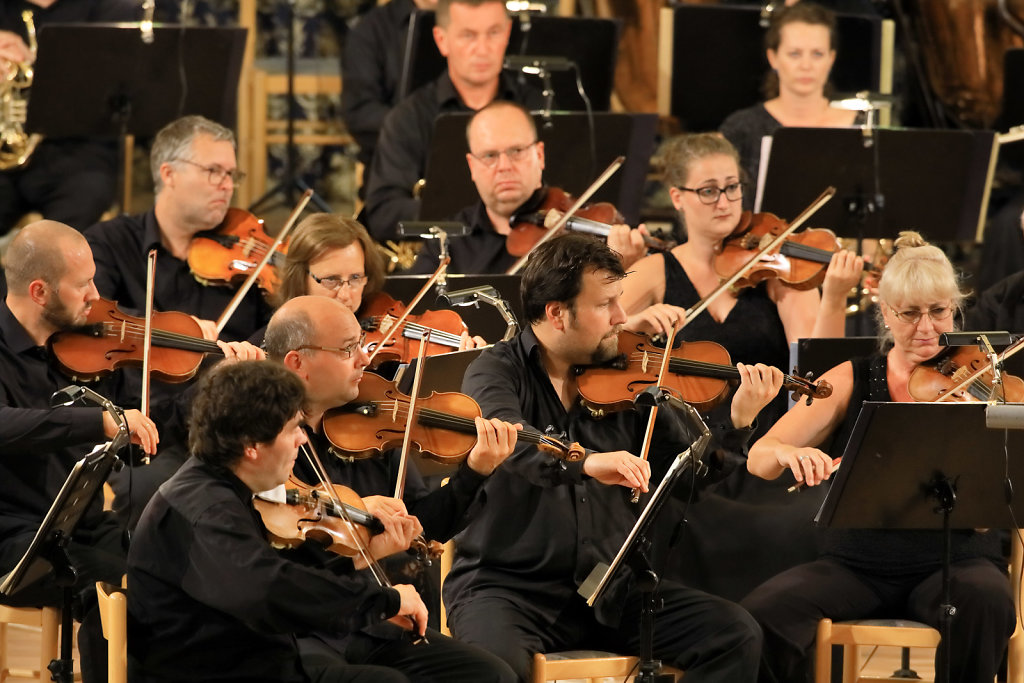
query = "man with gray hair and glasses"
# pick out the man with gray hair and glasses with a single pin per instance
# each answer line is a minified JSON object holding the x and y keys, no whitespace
{"x":194,"y":176}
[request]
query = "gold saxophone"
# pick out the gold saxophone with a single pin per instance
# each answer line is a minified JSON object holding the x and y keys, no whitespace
{"x":15,"y":145}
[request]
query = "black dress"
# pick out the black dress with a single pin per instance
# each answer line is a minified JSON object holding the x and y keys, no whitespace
{"x":743,"y":516}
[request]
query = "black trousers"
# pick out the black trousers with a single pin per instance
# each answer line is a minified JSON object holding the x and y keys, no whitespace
{"x":789,"y":606}
{"x":711,"y":639}
{"x":71,"y":181}
{"x":384,"y":652}
{"x":98,"y":554}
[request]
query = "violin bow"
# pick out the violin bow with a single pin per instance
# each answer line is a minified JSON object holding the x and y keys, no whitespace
{"x":147,"y":335}
{"x":583,"y":199}
{"x":441,"y":268}
{"x":649,"y":433}
{"x":407,"y":439}
{"x":701,"y":305}
{"x":222,"y":321}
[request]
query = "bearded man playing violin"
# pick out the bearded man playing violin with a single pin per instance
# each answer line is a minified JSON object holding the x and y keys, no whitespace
{"x":318,"y":340}
{"x":547,"y":523}
{"x":506,"y":162}
{"x":210,"y":598}
{"x":194,"y":176}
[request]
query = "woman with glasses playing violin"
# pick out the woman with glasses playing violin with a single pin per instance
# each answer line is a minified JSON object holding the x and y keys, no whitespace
{"x":755,"y":325}
{"x":862,"y":574}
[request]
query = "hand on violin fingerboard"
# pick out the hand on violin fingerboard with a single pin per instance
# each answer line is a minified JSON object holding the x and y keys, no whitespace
{"x":656,"y":319}
{"x":628,"y":243}
{"x":759,"y":384}
{"x":208,"y":327}
{"x":843,"y":274}
{"x":618,"y":468}
{"x":467,"y":342}
{"x":495,"y":441}
{"x":399,"y":532}
{"x":241,"y":351}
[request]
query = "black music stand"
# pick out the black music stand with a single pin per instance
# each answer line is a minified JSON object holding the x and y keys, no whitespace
{"x":569,"y":159}
{"x":943,"y":477}
{"x":48,"y":548}
{"x":120,"y":85}
{"x":128,"y":86}
{"x":730,"y":40}
{"x":635,"y":549}
{"x":934,"y":181}
{"x":590,"y":43}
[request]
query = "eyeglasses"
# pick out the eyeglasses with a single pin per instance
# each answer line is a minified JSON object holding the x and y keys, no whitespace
{"x":913,"y":316}
{"x":333,"y":282}
{"x":711,"y":193}
{"x":216,"y":174}
{"x":514,"y":154}
{"x":345,"y":351}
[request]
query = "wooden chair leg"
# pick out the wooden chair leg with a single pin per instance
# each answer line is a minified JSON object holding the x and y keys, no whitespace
{"x":851,"y":663}
{"x":823,"y":652}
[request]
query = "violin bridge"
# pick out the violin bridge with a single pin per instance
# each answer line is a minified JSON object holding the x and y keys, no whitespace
{"x":124,"y":325}
{"x":643,"y":362}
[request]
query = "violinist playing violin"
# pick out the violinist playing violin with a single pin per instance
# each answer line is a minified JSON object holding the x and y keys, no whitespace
{"x":50,"y":286}
{"x":547,"y":523}
{"x":333,"y":256}
{"x":318,"y":340}
{"x":861,"y":573}
{"x":210,"y":598}
{"x":194,"y":177}
{"x":506,"y":162}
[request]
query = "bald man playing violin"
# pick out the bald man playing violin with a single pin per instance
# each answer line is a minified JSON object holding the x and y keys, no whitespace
{"x":50,"y":289}
{"x":506,"y":162}
{"x":318,"y":339}
{"x":547,"y":523}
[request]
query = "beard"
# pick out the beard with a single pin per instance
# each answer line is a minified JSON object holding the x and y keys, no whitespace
{"x":58,"y":315}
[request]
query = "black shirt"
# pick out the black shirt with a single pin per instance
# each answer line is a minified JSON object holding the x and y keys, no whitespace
{"x":404,"y":144}
{"x":482,"y":250}
{"x":440,"y":512}
{"x":120,"y":247}
{"x":542,"y":525}
{"x":371,"y":69}
{"x":39,"y":444}
{"x":211,"y":600}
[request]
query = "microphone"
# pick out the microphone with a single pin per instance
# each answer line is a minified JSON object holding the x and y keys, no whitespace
{"x":995,"y":338}
{"x":146,"y":25}
{"x":431,"y":229}
{"x":66,"y":396}
{"x":467,"y":297}
{"x":536,"y":64}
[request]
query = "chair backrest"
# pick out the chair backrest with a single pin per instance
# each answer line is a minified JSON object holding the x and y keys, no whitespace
{"x":113,"y":607}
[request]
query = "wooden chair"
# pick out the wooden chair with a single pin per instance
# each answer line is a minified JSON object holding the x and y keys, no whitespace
{"x":113,"y":608}
{"x":907,"y":634}
{"x":45,"y":618}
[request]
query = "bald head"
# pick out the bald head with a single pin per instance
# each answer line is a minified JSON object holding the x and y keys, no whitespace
{"x":306,"y":321}
{"x":41,"y":251}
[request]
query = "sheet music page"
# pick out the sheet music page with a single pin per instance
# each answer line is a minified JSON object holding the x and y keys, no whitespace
{"x":762,"y":171}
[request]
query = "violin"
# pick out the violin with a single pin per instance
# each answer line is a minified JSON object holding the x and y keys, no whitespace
{"x":699,"y":373}
{"x":382,"y":313}
{"x":111,"y":338}
{"x":799,"y":262}
{"x":962,"y":374}
{"x":443,"y":429}
{"x":528,"y":227}
{"x":227,"y":254}
{"x":309,"y":513}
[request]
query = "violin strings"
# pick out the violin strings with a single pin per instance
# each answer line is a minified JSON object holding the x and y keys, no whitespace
{"x":136,"y":332}
{"x":437,"y":418}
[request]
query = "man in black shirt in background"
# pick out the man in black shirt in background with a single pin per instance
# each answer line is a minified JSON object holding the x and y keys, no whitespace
{"x":506,"y":162}
{"x":472,"y":35}
{"x":547,"y":523}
